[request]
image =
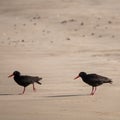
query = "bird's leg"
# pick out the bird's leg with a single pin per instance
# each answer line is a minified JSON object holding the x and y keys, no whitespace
{"x":22,"y":92}
{"x":95,"y":90}
{"x":92,"y":92}
{"x":34,"y":88}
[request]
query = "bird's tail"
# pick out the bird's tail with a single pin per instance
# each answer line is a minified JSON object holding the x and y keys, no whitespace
{"x":38,"y":81}
{"x":110,"y":81}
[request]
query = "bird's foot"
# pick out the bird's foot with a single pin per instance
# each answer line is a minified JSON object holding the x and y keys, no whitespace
{"x":91,"y":93}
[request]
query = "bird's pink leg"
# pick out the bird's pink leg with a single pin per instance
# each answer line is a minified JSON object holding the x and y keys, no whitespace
{"x":22,"y":92}
{"x":92,"y":92}
{"x":34,"y":88}
{"x":95,"y":90}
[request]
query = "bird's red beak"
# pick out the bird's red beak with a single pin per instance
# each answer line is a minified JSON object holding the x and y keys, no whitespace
{"x":10,"y":76}
{"x":76,"y":77}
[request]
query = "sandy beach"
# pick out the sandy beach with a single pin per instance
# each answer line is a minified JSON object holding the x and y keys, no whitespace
{"x":57,"y":39}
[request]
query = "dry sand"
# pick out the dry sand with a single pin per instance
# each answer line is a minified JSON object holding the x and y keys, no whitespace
{"x":57,"y":39}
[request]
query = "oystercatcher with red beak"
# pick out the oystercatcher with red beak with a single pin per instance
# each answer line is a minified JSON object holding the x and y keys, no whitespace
{"x":25,"y":80}
{"x":93,"y":80}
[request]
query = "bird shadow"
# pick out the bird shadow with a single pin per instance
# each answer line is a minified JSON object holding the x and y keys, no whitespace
{"x":69,"y":95}
{"x":5,"y":94}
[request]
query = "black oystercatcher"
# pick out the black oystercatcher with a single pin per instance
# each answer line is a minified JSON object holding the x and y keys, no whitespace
{"x":94,"y":80}
{"x":25,"y":80}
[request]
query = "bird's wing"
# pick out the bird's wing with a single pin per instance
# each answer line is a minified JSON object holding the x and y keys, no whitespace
{"x":26,"y":79}
{"x":98,"y":78}
{"x":30,"y":79}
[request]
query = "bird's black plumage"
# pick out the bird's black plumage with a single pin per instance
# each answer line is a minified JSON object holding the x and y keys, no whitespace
{"x":93,"y":80}
{"x":25,"y":80}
